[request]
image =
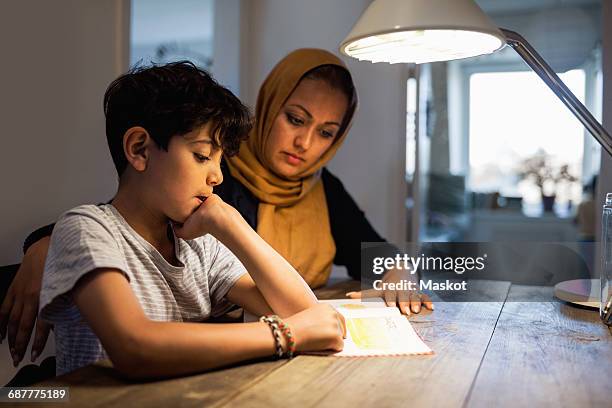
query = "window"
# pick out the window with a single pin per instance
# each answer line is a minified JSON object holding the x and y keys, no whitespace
{"x":165,"y":31}
{"x":513,"y":118}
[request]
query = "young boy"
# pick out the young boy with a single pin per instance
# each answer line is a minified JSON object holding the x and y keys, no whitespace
{"x":127,"y":280}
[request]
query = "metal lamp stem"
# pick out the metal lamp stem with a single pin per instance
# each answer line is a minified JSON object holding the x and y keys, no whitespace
{"x":540,"y":67}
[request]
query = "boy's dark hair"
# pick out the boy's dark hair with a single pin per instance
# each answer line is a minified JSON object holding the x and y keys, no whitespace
{"x":172,"y":99}
{"x":338,"y":78}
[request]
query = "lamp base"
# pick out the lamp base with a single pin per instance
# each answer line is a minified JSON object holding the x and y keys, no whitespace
{"x":583,"y":292}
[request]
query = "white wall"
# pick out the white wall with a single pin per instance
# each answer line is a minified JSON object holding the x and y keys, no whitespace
{"x":226,"y":44}
{"x":58,"y":58}
{"x":371,"y":162}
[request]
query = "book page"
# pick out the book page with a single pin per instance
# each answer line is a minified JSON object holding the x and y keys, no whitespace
{"x":373,"y":329}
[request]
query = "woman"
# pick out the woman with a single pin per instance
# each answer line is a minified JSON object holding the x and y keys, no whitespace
{"x":303,"y":112}
{"x":277,"y":182}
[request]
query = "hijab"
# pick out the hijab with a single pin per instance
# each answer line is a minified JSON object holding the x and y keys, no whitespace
{"x":292,"y":215}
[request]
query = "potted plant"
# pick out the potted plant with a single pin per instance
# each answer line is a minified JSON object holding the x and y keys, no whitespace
{"x":540,"y":170}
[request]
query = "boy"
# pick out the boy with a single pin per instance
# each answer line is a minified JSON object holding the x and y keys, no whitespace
{"x":127,"y":280}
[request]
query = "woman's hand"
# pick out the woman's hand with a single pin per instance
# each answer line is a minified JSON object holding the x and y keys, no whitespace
{"x":212,"y":216}
{"x":405,"y":300}
{"x":318,"y":328}
{"x":20,"y":307}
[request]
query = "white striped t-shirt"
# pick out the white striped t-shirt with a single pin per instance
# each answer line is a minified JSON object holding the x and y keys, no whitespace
{"x":90,"y":237}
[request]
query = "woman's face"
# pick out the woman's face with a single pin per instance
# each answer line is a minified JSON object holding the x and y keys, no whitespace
{"x":305,"y":127}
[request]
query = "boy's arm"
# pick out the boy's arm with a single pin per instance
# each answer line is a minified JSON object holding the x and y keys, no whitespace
{"x":280,"y":284}
{"x":245,"y":294}
{"x":138,"y":347}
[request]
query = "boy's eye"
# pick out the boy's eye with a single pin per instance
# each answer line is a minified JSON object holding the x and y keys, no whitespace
{"x":201,"y":158}
{"x":294,"y":120}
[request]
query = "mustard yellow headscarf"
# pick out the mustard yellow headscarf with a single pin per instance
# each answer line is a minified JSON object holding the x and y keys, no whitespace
{"x":292,"y":215}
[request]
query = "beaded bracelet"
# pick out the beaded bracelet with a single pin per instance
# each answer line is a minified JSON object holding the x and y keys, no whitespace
{"x":279,"y":326}
{"x":276,"y":333}
{"x":286,"y":330}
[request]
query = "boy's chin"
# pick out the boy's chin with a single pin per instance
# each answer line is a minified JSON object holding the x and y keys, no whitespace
{"x":181,"y":215}
{"x":179,"y":218}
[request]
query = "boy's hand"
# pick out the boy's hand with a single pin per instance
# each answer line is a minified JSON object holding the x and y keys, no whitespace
{"x":318,"y":328}
{"x":20,"y":306}
{"x":212,"y":216}
{"x":406,"y":300}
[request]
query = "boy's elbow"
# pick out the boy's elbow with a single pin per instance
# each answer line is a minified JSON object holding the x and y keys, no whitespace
{"x":131,"y":366}
{"x":133,"y":358}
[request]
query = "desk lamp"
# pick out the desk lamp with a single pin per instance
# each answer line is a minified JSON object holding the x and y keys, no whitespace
{"x":421,"y":31}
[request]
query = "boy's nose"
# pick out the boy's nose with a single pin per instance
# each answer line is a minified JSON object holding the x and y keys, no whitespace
{"x":215,"y":177}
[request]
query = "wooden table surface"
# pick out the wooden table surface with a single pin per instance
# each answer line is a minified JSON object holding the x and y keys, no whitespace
{"x":498,"y":353}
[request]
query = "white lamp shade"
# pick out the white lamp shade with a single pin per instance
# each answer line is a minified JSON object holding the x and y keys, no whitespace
{"x":420,"y":31}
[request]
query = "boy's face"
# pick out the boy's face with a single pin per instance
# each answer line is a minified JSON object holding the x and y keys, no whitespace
{"x":185,"y":175}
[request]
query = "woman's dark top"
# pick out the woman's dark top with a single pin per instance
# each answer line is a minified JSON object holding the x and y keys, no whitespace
{"x":349,"y":226}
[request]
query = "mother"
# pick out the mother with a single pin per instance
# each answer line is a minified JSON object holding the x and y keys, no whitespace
{"x":277,"y":181}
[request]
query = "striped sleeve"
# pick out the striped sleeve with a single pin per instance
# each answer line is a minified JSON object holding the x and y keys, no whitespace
{"x":81,"y":242}
{"x":225,"y":270}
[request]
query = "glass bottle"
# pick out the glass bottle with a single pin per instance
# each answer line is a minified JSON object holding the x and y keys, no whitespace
{"x":605,"y":309}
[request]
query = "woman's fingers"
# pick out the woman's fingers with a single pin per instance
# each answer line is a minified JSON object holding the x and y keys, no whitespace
{"x":40,"y":338}
{"x":365,"y":294}
{"x":427,"y":302}
{"x":403,"y":302}
{"x":390,"y":298}
{"x":24,"y":330}
{"x":415,"y":302}
{"x":404,"y":307}
{"x":353,"y":295}
{"x":13,"y":325}
{"x":408,"y":302}
{"x":5,"y":312}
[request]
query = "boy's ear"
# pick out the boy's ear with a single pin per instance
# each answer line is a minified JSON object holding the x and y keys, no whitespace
{"x":136,"y":145}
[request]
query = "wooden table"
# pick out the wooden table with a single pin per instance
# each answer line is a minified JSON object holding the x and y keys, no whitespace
{"x":499,"y":353}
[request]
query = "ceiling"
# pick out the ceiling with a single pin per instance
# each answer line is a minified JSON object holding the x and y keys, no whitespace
{"x":519,"y":6}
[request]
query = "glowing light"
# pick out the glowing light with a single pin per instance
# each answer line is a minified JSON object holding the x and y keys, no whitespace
{"x":422,"y":46}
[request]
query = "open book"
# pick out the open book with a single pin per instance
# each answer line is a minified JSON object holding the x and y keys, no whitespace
{"x":373,"y":329}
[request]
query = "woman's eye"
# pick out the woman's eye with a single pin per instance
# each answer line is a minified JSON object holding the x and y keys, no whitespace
{"x":295,"y":120}
{"x":327,"y":134}
{"x":201,"y":158}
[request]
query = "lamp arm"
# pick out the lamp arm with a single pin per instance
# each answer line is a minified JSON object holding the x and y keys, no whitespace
{"x":544,"y":71}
